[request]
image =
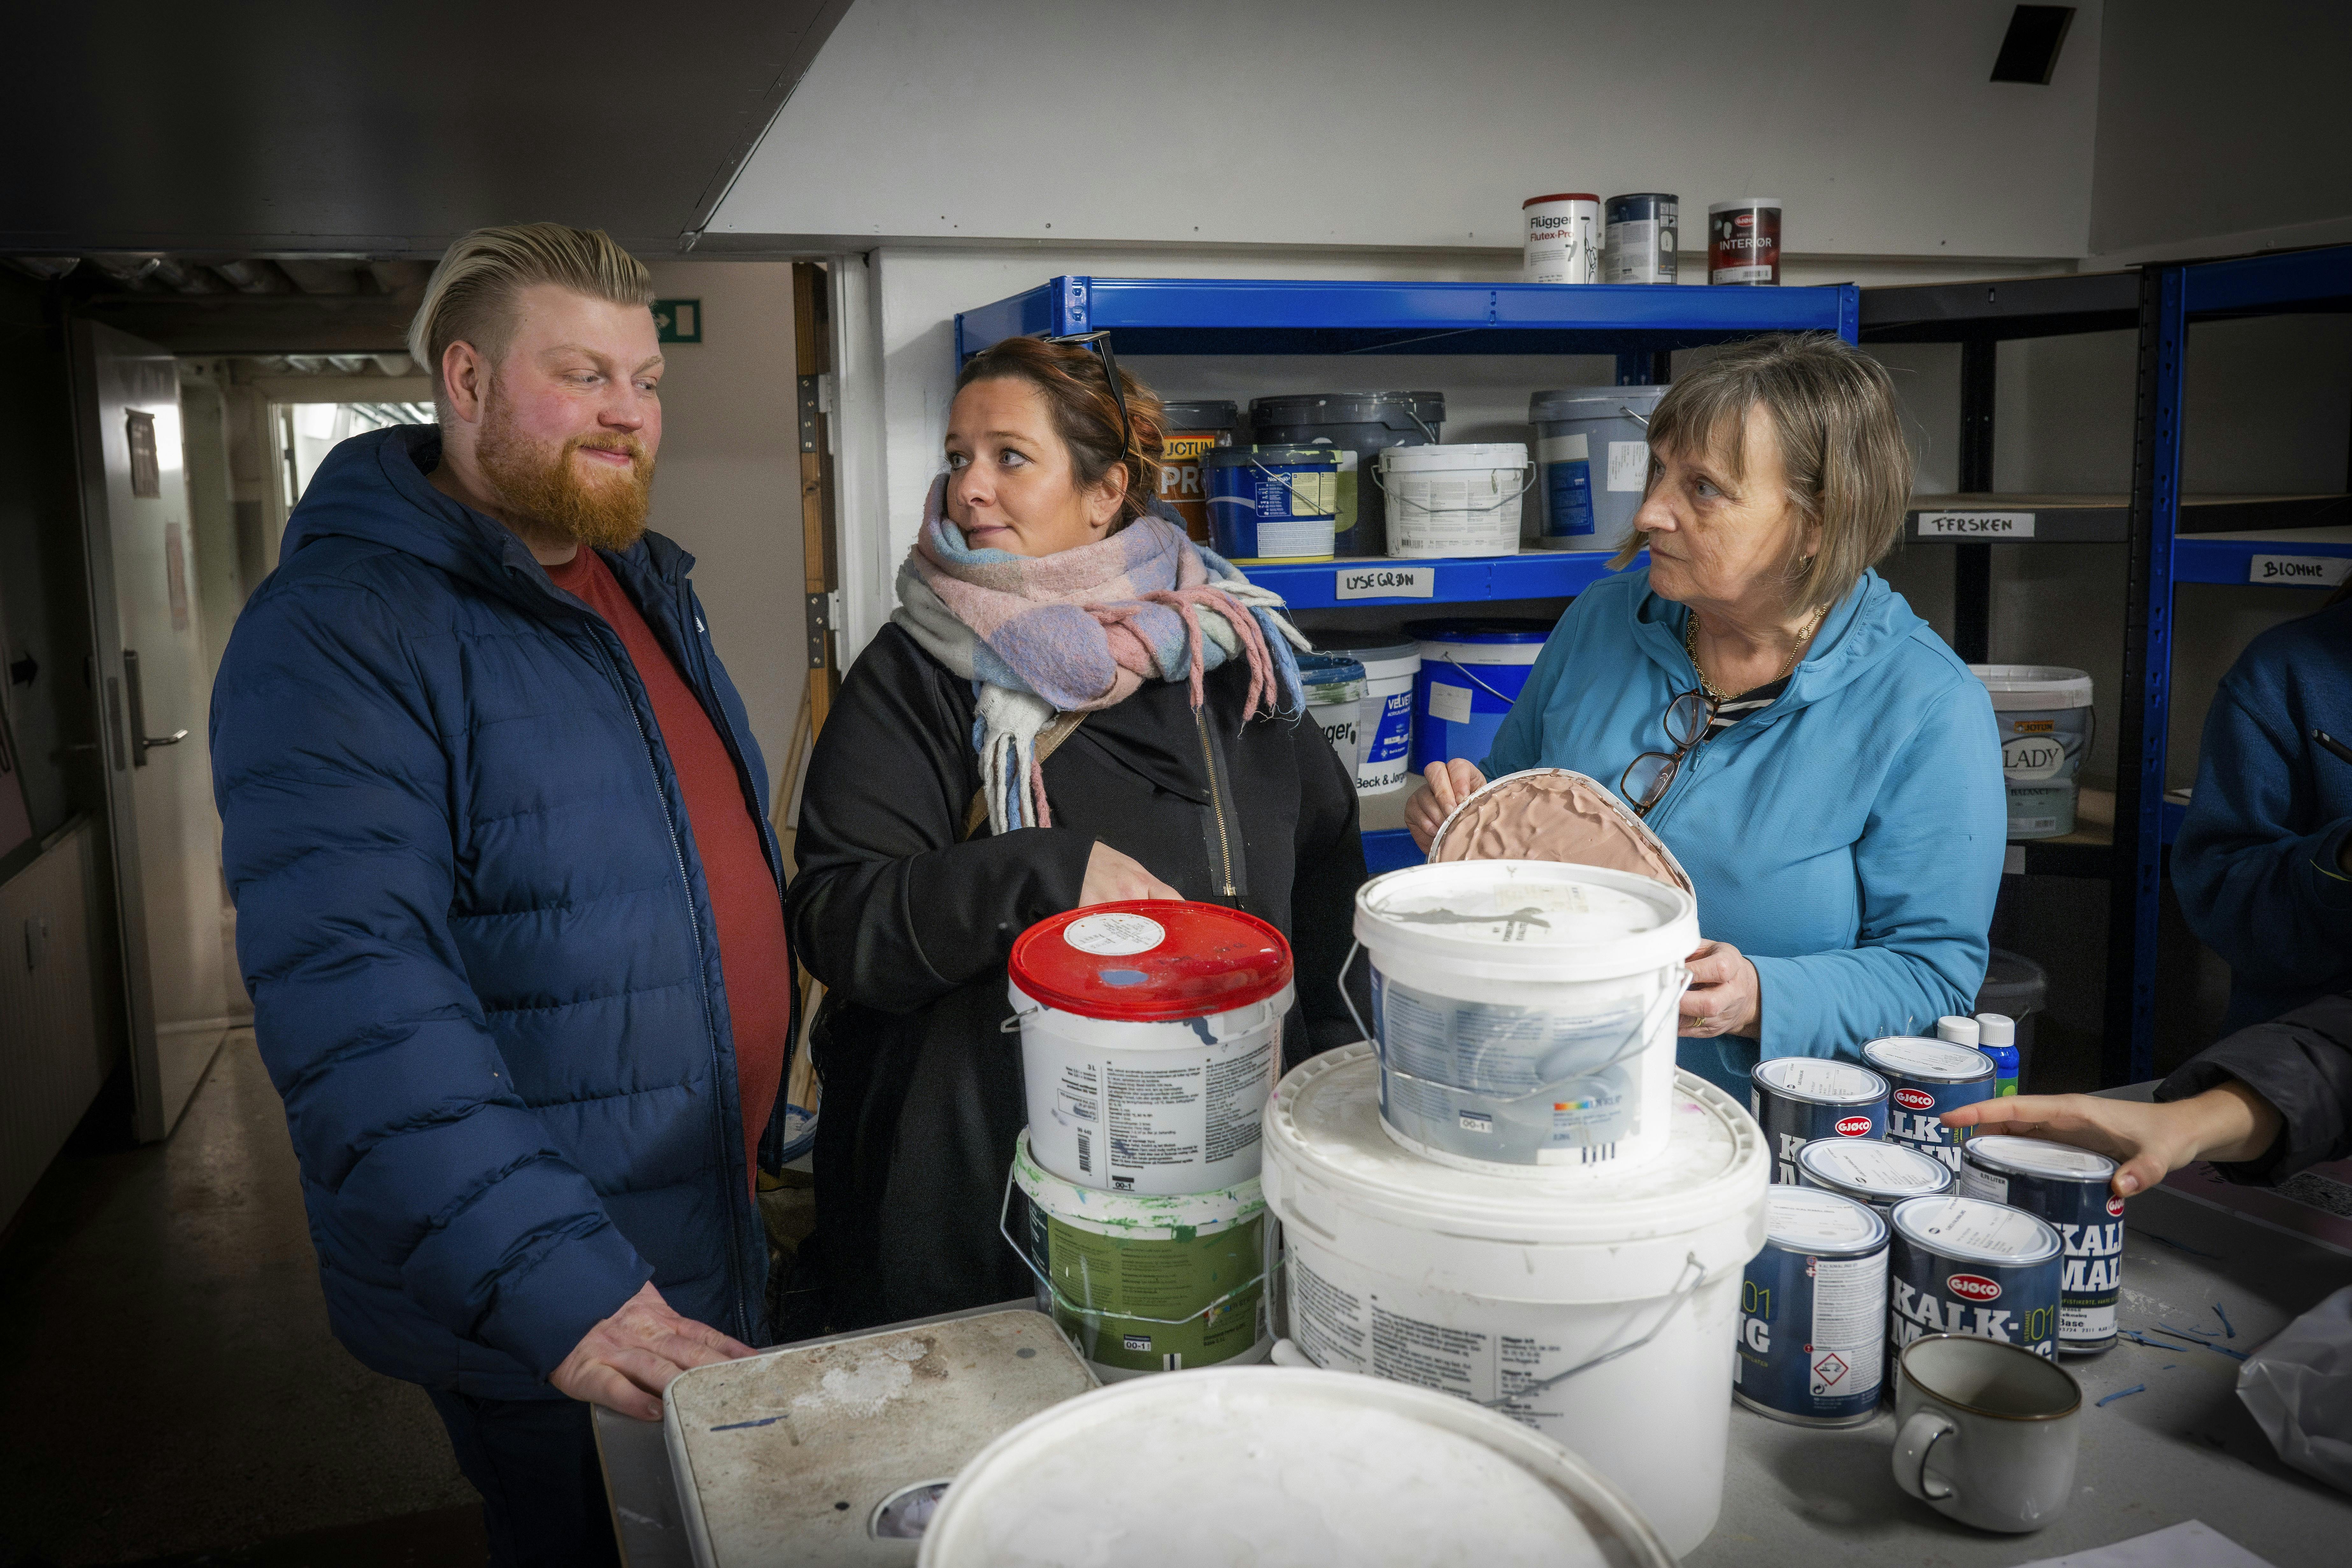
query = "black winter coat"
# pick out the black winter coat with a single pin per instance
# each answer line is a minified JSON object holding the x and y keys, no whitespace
{"x":2301,"y":1062}
{"x":909,"y":926}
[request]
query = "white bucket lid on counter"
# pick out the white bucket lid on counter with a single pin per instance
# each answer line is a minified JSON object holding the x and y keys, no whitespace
{"x":2026,"y":688}
{"x":1283,"y":1467}
{"x":1517,"y":920}
{"x":1592,"y":1233}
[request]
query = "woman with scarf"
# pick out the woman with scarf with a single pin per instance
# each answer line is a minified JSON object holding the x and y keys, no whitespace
{"x":1072,"y":705}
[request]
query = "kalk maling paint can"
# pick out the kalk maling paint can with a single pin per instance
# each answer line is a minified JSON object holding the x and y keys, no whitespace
{"x":2068,"y":1188}
{"x":1927,"y":1077}
{"x":1813,"y":1312}
{"x":1963,"y":1266}
{"x":1796,"y":1099}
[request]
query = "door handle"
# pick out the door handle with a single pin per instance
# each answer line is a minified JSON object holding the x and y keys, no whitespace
{"x":141,"y":743}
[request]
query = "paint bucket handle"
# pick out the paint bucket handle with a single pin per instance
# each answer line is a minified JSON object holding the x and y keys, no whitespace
{"x":1473,"y":680}
{"x":1636,"y":418}
{"x":1525,"y":485}
{"x":1011,"y":1026}
{"x":1682,"y":1293}
{"x":1345,"y":964}
{"x":1636,"y":1044}
{"x":1284,"y":481}
{"x":1095,"y":1315}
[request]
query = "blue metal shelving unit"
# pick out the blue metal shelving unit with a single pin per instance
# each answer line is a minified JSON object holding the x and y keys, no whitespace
{"x":2163,"y":558}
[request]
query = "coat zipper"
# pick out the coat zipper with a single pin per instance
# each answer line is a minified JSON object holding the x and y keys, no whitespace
{"x":701,"y":960}
{"x":1216,"y":802}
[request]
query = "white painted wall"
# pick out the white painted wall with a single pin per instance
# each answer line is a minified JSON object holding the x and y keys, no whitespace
{"x":1399,"y":124}
{"x":727,"y":486}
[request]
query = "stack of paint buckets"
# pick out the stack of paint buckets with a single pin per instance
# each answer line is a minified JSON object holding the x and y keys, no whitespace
{"x":1510,"y":1194}
{"x":1884,"y":1224}
{"x":1150,"y":1038}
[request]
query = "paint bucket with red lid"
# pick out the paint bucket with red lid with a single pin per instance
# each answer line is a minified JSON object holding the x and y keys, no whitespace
{"x":1151,"y":1038}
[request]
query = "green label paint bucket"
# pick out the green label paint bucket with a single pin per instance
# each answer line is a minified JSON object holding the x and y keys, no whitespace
{"x":1597,"y":1307}
{"x":2043,"y":714}
{"x":1148,"y":1284}
{"x":1281,"y":1468}
{"x":1390,"y":665}
{"x":1592,"y":456}
{"x":1336,"y":691}
{"x":1151,"y":1036}
{"x":1525,"y":1011}
{"x":1456,"y":500}
{"x":1272,"y":503}
{"x":1471,"y":672}
{"x":1356,"y":427}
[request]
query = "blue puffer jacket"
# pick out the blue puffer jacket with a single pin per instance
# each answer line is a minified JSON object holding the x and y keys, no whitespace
{"x":476,"y":932}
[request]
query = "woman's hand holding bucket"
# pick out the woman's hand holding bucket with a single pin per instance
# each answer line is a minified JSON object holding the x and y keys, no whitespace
{"x":1725,"y":996}
{"x":1450,"y":784}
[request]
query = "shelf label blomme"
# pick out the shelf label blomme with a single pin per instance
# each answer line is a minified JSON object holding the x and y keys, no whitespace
{"x":1386,"y":583}
{"x":2299,"y":570}
{"x":1975,"y":525}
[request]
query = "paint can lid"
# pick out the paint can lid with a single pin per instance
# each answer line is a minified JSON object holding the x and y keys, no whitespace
{"x":1380,"y":653}
{"x":1615,"y":1232}
{"x":1975,"y":1229}
{"x":2012,"y":1155}
{"x":1959,"y":1028}
{"x":1287,"y":457}
{"x":1632,"y":404}
{"x":1995,"y":1029}
{"x":1820,"y":1080}
{"x":1150,"y":959}
{"x":1211,"y":413}
{"x":1924,"y":1061}
{"x":2033,"y":688}
{"x":1559,"y":197}
{"x":1645,"y":197}
{"x":1872,"y":1172}
{"x":1492,"y":629}
{"x":1328,"y":670}
{"x":1527,"y":922}
{"x":1417,"y":413}
{"x":1370,"y":1472}
{"x":1815,"y":1220}
{"x":1741,"y":204}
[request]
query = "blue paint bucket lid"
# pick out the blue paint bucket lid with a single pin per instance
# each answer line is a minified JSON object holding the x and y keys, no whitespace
{"x":1328,"y":670}
{"x":1493,"y":630}
{"x":1285,"y":456}
{"x":1594,"y":403}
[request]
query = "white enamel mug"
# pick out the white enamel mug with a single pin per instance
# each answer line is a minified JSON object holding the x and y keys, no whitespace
{"x":1986,"y":1432}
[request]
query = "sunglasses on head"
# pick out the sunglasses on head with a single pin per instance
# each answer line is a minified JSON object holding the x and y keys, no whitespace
{"x":1100,"y":342}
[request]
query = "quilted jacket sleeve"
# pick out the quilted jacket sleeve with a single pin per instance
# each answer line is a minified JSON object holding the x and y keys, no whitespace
{"x":334,"y":787}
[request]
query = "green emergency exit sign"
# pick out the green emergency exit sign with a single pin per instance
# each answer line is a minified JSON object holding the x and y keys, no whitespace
{"x":679,"y":321}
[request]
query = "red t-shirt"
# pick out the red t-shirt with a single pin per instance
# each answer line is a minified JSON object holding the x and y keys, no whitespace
{"x":753,"y":960}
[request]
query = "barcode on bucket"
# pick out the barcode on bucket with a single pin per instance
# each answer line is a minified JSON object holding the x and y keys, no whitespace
{"x":1086,"y":1152}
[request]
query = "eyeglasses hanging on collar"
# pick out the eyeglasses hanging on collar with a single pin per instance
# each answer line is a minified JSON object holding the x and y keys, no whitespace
{"x":1099,"y":341}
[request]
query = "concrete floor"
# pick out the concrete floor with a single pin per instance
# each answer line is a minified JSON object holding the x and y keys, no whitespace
{"x":168,"y":1385}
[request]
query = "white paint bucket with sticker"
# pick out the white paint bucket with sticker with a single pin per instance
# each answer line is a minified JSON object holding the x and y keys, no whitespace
{"x":1525,"y":1010}
{"x":1281,"y":1468}
{"x":1148,"y":1283}
{"x":2043,"y":714}
{"x":1596,"y":1306}
{"x":1150,"y":1036}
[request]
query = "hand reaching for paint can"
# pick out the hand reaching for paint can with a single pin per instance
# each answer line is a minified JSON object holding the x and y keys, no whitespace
{"x":1450,"y":784}
{"x":624,"y":1362}
{"x":2148,"y":1141}
{"x":1113,"y":877}
{"x":1725,"y":996}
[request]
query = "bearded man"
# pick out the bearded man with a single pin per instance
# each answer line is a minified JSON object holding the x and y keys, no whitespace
{"x":507,"y":900}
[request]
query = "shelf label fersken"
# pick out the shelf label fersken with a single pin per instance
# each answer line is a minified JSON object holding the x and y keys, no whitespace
{"x":1975,"y":525}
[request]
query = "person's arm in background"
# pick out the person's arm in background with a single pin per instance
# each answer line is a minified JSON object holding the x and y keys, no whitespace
{"x":1327,"y":870}
{"x":2261,"y":1105}
{"x":1928,"y":865}
{"x":2274,"y":903}
{"x":333,"y":791}
{"x":892,"y":907}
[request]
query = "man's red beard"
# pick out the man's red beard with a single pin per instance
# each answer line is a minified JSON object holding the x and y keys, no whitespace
{"x":546,"y":487}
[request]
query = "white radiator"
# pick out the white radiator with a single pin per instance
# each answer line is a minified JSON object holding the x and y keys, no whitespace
{"x":52,"y":1056}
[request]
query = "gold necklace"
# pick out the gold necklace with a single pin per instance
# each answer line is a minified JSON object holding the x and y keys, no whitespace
{"x":1690,"y":646}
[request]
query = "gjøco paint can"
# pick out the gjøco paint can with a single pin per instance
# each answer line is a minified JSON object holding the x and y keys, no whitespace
{"x":1563,"y":239}
{"x":1813,"y":1312}
{"x":1880,"y":1174}
{"x":1927,"y":1079}
{"x":2068,"y":1188}
{"x":1796,"y":1099}
{"x":1963,"y":1266}
{"x":1743,"y":241}
{"x":1641,"y":238}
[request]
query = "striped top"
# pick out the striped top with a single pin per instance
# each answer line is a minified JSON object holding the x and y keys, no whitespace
{"x":1732,"y":709}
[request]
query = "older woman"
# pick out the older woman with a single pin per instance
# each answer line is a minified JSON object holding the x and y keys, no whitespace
{"x":1073,"y":704}
{"x":1825,"y":769}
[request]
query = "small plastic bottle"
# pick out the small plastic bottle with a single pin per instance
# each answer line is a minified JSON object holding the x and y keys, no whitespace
{"x":1996,"y":1037}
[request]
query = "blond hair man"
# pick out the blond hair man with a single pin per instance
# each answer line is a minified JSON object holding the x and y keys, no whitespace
{"x":508,"y":905}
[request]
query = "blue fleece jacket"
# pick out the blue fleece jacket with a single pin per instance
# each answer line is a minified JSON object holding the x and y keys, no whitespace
{"x":476,"y":932}
{"x":1848,"y":839}
{"x":2255,"y":864}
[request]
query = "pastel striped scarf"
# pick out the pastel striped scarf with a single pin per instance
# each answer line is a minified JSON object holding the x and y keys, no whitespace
{"x":1080,"y":631}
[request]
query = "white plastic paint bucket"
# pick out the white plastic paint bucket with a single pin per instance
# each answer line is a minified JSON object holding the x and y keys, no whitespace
{"x":1525,"y":1010}
{"x":1456,"y":500}
{"x":1281,"y":1468}
{"x":1336,"y":700}
{"x":1148,"y":1283}
{"x":1151,"y":1036}
{"x":1597,"y":1307}
{"x":1390,"y":663}
{"x":2043,"y":714}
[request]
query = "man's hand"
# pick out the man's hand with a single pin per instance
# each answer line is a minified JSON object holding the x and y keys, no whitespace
{"x":1450,"y":784}
{"x":624,"y":1362}
{"x":1725,"y":996}
{"x":1113,"y":877}
{"x":2147,"y":1142}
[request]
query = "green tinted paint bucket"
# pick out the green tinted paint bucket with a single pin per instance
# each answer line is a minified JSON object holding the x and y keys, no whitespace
{"x":1147,"y":1283}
